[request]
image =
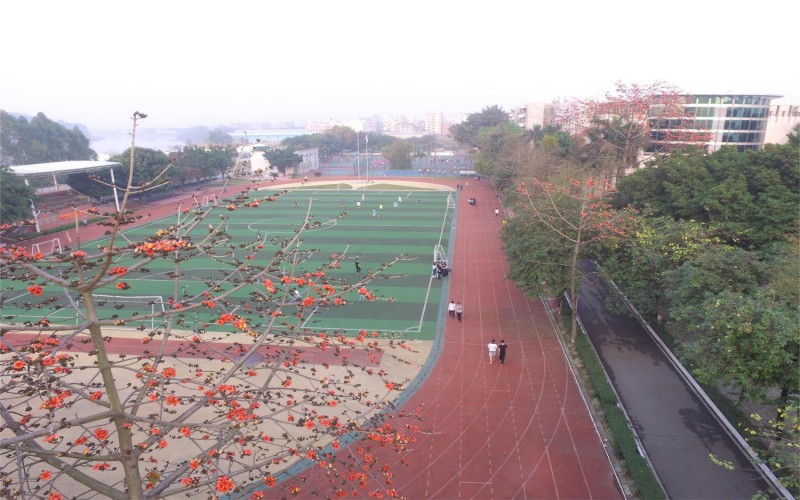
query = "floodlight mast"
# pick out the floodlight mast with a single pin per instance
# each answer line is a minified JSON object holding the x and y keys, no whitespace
{"x":366,"y":145}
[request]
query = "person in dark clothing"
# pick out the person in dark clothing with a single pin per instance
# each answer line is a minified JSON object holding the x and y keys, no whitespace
{"x":358,"y":266}
{"x":501,"y":355}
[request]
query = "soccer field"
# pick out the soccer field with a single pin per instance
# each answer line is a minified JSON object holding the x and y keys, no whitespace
{"x":392,"y":221}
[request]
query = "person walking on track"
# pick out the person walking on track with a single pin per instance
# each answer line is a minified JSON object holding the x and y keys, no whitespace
{"x":492,"y":351}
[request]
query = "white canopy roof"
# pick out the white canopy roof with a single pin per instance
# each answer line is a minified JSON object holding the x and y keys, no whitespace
{"x":60,"y":167}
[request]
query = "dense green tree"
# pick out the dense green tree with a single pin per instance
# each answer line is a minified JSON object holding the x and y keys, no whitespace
{"x":748,"y":341}
{"x":556,"y":141}
{"x":149,"y":173}
{"x":578,"y":217}
{"x":782,"y":264}
{"x":503,"y":151}
{"x":343,"y":137}
{"x":717,"y":254}
{"x":467,"y":131}
{"x":282,"y":158}
{"x":778,"y":441}
{"x":197,"y":162}
{"x":40,"y":141}
{"x":339,"y":139}
{"x":714,"y":269}
{"x":398,"y":154}
{"x":537,"y":257}
{"x":752,"y":196}
{"x":722,"y":298}
{"x":655,"y":246}
{"x":15,"y":197}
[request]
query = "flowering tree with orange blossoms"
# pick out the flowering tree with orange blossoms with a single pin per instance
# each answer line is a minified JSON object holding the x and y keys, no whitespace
{"x":618,"y":128}
{"x":208,"y":408}
{"x":572,"y":218}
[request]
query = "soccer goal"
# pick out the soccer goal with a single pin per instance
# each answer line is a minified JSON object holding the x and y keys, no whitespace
{"x":439,"y":255}
{"x":209,"y":200}
{"x":48,"y":247}
{"x":128,"y":307}
{"x":451,"y":202}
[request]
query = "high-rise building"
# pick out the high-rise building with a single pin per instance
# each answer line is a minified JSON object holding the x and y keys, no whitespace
{"x":738,"y":120}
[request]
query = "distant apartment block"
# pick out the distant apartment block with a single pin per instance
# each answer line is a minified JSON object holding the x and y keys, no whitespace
{"x":359,"y":125}
{"x":531,"y":114}
{"x":434,"y":124}
{"x":738,"y":120}
{"x":319,"y":127}
{"x":400,"y":126}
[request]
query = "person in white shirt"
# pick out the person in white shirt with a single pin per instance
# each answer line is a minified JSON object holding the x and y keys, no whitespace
{"x":451,"y":309}
{"x":492,"y":351}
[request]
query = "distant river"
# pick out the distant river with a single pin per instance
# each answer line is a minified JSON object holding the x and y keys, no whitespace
{"x":113,"y":142}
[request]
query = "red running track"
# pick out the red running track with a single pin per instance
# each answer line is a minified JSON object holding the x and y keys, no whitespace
{"x":518,"y":430}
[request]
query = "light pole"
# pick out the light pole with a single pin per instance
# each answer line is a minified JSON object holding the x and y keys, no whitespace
{"x":136,"y":116}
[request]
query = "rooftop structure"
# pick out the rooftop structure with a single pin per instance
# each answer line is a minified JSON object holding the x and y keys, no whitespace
{"x":54,"y":169}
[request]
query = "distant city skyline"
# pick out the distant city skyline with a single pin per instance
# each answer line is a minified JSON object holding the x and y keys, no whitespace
{"x":188,"y":64}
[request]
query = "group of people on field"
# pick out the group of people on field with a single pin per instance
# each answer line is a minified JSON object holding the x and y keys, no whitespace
{"x":440,"y":270}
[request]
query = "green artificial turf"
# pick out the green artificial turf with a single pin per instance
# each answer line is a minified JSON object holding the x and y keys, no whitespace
{"x":407,"y":301}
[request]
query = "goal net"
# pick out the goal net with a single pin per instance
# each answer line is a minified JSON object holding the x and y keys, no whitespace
{"x":129,"y":307}
{"x":439,"y":255}
{"x":451,"y":202}
{"x":209,"y":200}
{"x":48,"y":247}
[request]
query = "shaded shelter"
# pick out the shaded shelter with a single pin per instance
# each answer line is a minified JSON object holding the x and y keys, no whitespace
{"x":53,"y":169}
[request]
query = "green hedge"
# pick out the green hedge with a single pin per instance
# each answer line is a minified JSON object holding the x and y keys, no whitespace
{"x":643,"y":477}
{"x":621,"y":436}
{"x":597,"y":374}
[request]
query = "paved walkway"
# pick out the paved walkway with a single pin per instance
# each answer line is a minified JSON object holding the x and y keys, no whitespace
{"x":518,"y":430}
{"x":676,"y":429}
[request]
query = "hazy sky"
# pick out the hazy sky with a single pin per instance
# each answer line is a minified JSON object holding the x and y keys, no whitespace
{"x":209,"y":63}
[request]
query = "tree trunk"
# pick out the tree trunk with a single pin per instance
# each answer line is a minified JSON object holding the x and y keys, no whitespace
{"x":129,"y":458}
{"x":780,"y":417}
{"x":573,"y":286}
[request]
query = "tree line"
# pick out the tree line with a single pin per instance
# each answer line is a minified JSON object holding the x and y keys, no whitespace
{"x":705,"y":245}
{"x":41,"y":140}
